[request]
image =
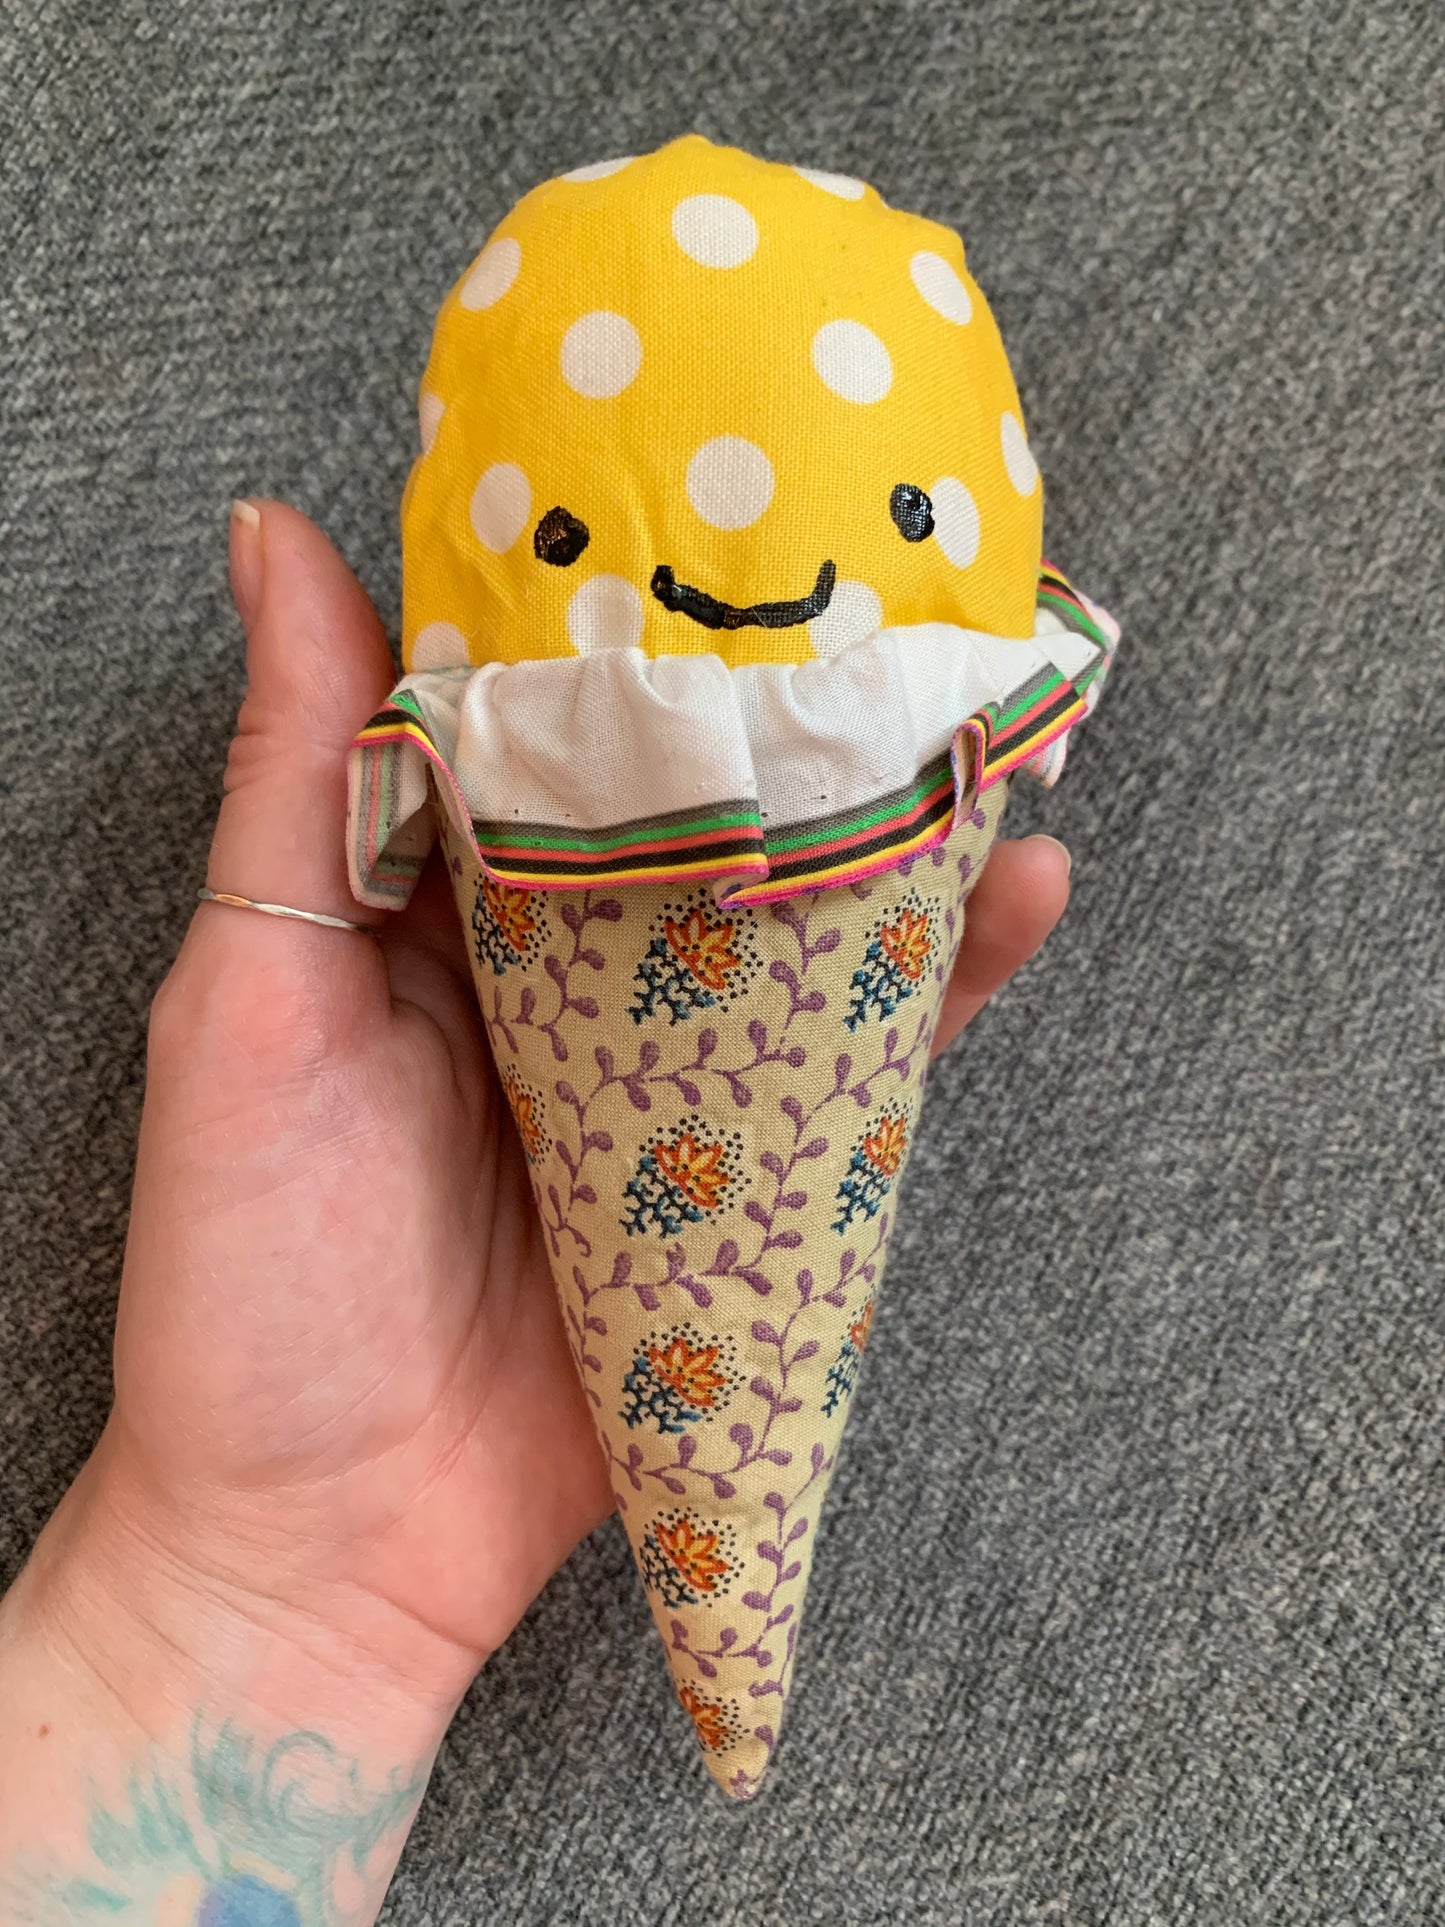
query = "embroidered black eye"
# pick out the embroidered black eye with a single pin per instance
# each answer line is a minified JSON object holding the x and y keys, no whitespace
{"x":912,"y":512}
{"x":561,"y":538}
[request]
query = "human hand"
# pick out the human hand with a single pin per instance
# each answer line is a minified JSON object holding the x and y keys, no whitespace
{"x":338,"y":1346}
{"x":346,"y":1416}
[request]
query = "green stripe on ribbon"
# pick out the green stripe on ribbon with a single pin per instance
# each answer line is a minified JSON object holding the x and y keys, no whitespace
{"x":570,"y":840}
{"x":879,"y":814}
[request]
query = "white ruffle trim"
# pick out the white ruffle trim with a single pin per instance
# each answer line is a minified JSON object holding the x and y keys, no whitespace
{"x":618,"y":736}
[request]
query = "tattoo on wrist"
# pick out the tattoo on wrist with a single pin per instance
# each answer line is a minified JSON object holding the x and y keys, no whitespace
{"x":238,"y":1834}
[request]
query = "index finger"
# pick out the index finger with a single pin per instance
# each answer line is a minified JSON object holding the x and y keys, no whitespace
{"x":1014,"y":905}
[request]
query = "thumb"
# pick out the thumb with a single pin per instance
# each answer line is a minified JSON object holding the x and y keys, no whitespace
{"x":317,"y":666}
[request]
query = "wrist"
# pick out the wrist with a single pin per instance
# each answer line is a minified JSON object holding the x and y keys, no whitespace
{"x":178,"y":1744}
{"x":178,"y":1618}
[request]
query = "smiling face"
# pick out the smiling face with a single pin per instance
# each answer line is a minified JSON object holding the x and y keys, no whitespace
{"x":696,"y":402}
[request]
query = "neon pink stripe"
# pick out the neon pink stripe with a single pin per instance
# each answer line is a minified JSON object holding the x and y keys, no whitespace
{"x":744,"y":866}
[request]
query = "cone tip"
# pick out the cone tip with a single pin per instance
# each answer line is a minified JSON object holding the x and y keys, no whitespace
{"x":738,"y":1773}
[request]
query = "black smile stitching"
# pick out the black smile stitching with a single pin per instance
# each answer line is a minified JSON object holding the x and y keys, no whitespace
{"x":713,"y":614}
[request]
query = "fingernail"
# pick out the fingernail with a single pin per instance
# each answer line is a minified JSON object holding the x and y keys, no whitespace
{"x":1068,"y":860}
{"x":245,"y":557}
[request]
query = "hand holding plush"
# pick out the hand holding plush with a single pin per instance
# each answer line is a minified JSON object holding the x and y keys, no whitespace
{"x":726,"y":625}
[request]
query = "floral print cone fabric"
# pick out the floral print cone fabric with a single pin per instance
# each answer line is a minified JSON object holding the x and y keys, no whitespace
{"x":717,"y":1105}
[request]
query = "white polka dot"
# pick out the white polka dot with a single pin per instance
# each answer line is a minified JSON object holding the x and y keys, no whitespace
{"x":714,"y":231}
{"x":955,"y":520}
{"x":440,"y":645}
{"x":501,"y":506}
{"x":941,"y":287}
{"x":853,"y":612}
{"x":729,"y":482}
{"x":605,"y":613}
{"x":492,"y":273}
{"x":1018,"y":457}
{"x":852,"y":361}
{"x":843,"y":185}
{"x":429,"y":411}
{"x":598,"y":170}
{"x":600,"y":354}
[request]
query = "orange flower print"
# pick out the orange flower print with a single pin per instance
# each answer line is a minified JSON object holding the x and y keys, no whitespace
{"x":895,"y":962}
{"x":694,"y":1554}
{"x":843,"y":1372}
{"x":862,"y":1326}
{"x":907,"y":942}
{"x":686,"y":1559}
{"x":884,"y":1147}
{"x":693,"y":1375}
{"x":507,"y":925}
{"x":873,"y":1165}
{"x":706,"y":948}
{"x":682,"y":1177}
{"x":697,"y":1169}
{"x":695,"y":960}
{"x":678,"y":1378}
{"x":511,"y":910}
{"x":716,"y":1724}
{"x":526,"y":1109}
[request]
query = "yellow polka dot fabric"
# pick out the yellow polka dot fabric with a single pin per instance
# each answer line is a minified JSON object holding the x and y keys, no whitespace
{"x":698,"y":403}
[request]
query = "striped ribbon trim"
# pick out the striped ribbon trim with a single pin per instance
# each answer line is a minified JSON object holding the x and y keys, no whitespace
{"x":1056,"y":592}
{"x":383,"y":859}
{"x":390,"y":833}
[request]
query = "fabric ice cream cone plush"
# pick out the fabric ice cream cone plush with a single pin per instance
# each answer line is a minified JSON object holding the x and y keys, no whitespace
{"x":726,"y":627}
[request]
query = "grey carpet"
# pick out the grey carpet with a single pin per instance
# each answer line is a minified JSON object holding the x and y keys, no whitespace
{"x":1159,"y":1636}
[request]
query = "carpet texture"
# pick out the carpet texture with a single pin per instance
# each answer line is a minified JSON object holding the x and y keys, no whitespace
{"x":1158,"y":1637}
